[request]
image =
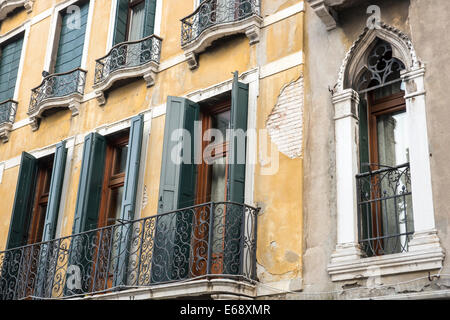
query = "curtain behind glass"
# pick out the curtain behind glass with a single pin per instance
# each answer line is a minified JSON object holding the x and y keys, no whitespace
{"x":137,"y":22}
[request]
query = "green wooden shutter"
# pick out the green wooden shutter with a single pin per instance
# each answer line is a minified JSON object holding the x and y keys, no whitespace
{"x":363,"y":187}
{"x":149,"y":20}
{"x":132,"y":167}
{"x":120,"y":28}
{"x":235,"y":214}
{"x":12,"y":266}
{"x":177,"y":190}
{"x":87,"y":209}
{"x":9,"y":66}
{"x":23,"y":201}
{"x":71,"y":41}
{"x":56,"y":185}
{"x":90,"y":185}
{"x":363,"y":136}
{"x":177,"y":181}
{"x":51,"y":218}
{"x":129,"y":197}
{"x":236,"y":167}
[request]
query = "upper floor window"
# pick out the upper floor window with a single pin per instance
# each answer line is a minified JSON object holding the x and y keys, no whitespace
{"x":70,"y":43}
{"x":135,"y":19}
{"x":9,"y":65}
{"x":385,"y":206}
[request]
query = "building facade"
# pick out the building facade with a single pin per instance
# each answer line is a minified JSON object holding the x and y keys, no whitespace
{"x":140,"y":148}
{"x":375,"y":205}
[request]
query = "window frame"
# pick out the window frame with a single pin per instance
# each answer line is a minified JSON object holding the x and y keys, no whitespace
{"x":112,"y":22}
{"x":54,"y":35}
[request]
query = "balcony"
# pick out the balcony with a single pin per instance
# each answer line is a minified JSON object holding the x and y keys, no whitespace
{"x":57,"y":91}
{"x":215,"y":19}
{"x":385,"y":217}
{"x":127,"y":60}
{"x":7,"y":115}
{"x":172,"y":252}
{"x":7,"y":6}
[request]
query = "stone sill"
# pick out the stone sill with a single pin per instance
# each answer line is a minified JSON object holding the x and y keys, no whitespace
{"x":250,"y":26}
{"x":147,"y":71}
{"x":216,"y":288}
{"x":386,"y":265}
{"x":5,"y":130}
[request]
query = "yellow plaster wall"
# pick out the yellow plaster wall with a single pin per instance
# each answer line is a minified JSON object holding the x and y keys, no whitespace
{"x":279,"y":195}
{"x":280,"y":225}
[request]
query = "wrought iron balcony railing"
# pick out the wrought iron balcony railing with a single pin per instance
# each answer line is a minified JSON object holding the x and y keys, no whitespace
{"x":127,"y":55}
{"x":8,"y":111}
{"x":208,"y":240}
{"x":57,"y":85}
{"x":385,"y":217}
{"x":215,"y":12}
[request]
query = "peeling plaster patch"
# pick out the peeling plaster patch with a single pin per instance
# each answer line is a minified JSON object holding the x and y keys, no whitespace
{"x":285,"y":122}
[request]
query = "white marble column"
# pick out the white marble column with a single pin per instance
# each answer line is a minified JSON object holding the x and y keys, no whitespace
{"x":346,"y":135}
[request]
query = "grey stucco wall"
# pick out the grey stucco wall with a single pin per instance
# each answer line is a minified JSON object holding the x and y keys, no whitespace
{"x":426,"y":23}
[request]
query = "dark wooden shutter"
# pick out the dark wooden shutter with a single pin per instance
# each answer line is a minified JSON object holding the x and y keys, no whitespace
{"x":56,"y":185}
{"x":363,"y":186}
{"x":177,"y":190}
{"x":235,"y":214}
{"x":120,"y":28}
{"x":236,"y":167}
{"x":363,"y":136}
{"x":129,"y":197}
{"x":12,"y":266}
{"x":132,"y":168}
{"x":149,"y":20}
{"x":71,"y":41}
{"x":90,"y":185}
{"x":87,"y":209}
{"x":9,"y":65}
{"x":23,"y":202}
{"x":177,"y":183}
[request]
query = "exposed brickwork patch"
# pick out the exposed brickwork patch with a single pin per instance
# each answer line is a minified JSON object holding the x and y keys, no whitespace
{"x":285,"y":122}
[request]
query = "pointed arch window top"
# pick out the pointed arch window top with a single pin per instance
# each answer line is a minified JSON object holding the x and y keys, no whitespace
{"x":381,"y":68}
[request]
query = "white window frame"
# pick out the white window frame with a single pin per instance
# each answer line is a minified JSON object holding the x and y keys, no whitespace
{"x":425,"y":251}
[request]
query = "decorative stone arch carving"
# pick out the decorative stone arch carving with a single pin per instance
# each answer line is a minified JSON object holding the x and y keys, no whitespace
{"x":425,"y":252}
{"x":355,"y":59}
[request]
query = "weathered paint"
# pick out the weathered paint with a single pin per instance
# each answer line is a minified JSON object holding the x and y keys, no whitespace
{"x":281,"y":220}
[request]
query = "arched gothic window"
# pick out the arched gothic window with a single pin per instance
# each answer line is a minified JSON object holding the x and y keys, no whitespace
{"x":385,"y":216}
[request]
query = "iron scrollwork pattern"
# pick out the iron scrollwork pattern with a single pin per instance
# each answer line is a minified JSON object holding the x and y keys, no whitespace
{"x":207,"y":240}
{"x":385,"y":217}
{"x":57,"y":85}
{"x":214,"y":12}
{"x":8,"y":111}
{"x":128,"y":55}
